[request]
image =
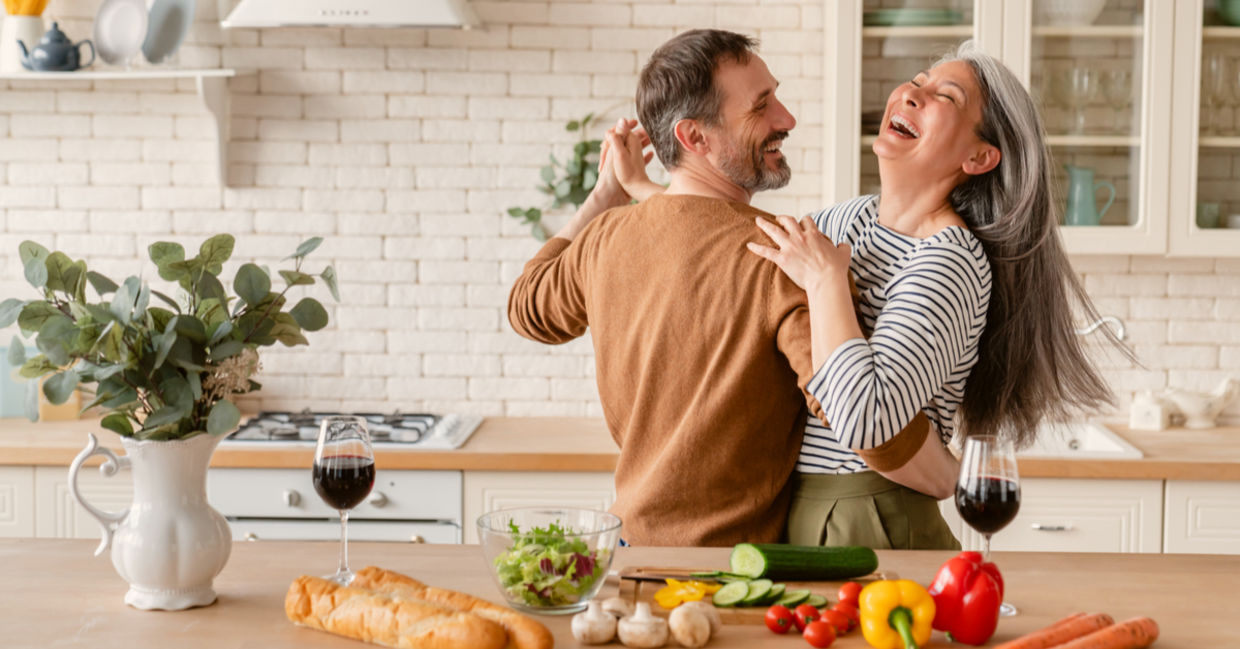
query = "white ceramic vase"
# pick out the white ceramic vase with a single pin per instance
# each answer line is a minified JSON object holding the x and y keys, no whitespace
{"x":170,"y":543}
{"x":28,"y":30}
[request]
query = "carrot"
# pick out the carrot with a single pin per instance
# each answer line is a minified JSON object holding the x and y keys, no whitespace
{"x":1130,"y":634}
{"x":1069,"y":628}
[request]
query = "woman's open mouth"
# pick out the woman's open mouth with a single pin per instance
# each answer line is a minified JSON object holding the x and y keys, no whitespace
{"x":903,"y":128}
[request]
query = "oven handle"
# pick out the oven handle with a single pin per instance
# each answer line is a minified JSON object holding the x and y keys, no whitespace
{"x":416,"y":538}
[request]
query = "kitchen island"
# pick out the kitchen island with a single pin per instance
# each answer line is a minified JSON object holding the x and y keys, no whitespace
{"x":59,"y":595}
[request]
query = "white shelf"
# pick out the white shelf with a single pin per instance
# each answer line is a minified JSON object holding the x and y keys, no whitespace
{"x":1220,"y":32}
{"x":918,"y":31}
{"x":1089,"y":31}
{"x":1220,"y":142}
{"x":1093,"y":140}
{"x":212,"y":90}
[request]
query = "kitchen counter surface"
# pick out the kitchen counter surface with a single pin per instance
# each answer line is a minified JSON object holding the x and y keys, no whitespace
{"x":62,"y":596}
{"x":583,"y":444}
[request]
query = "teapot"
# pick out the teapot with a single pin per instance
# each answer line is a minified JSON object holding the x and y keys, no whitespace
{"x":55,"y":53}
{"x":1082,"y":197}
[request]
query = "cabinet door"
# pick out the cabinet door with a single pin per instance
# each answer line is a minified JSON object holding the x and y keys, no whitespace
{"x":16,"y":501}
{"x":490,"y":490}
{"x":1202,"y":517}
{"x":61,"y":516}
{"x":1206,"y":137}
{"x":1061,"y":515}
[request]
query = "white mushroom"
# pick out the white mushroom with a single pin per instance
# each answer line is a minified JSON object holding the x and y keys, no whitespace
{"x":711,"y":613}
{"x":689,"y":626}
{"x":593,"y":626}
{"x":618,"y":606}
{"x":643,"y":630}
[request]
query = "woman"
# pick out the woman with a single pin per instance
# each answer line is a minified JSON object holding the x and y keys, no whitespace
{"x":961,"y":276}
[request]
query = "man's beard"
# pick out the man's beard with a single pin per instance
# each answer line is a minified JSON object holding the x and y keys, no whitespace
{"x":748,"y":170}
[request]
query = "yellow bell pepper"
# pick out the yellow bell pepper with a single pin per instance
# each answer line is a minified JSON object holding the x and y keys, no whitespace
{"x":896,"y":614}
{"x":677,"y":592}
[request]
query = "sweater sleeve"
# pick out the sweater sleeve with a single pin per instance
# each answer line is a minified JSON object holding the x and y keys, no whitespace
{"x":929,"y":327}
{"x":547,"y":302}
{"x":789,"y":311}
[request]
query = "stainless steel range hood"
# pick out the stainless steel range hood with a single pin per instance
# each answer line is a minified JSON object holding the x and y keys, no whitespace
{"x":351,"y":13}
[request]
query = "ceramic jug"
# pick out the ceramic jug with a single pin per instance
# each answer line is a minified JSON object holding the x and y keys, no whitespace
{"x":55,"y":52}
{"x":12,"y":30}
{"x":170,"y":543}
{"x":1082,"y":197}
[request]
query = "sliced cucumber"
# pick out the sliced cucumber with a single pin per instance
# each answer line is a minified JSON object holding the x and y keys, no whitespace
{"x":758,"y":589}
{"x":773,"y":595}
{"x":730,"y":594}
{"x":727,"y":578}
{"x":793,"y":597}
{"x":816,"y":600}
{"x":802,"y":563}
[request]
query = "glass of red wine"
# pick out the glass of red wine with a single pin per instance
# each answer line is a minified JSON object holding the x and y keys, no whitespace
{"x":988,"y":491}
{"x":344,"y":473}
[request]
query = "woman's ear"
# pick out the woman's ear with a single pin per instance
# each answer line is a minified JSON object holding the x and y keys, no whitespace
{"x":982,"y":160}
{"x":691,"y":137}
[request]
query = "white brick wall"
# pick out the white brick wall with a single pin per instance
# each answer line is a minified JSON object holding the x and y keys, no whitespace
{"x":403,"y":148}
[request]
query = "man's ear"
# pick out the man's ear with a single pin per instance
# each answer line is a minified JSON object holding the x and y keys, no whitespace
{"x":691,"y":137}
{"x":983,"y":160}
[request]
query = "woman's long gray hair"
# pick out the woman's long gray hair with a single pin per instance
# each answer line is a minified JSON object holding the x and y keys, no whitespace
{"x":1031,"y":365}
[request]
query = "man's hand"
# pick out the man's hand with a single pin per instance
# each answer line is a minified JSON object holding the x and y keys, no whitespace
{"x":624,"y":148}
{"x":607,"y":193}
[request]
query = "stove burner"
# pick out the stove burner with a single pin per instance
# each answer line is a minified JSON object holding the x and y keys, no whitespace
{"x":390,"y":428}
{"x":303,"y":418}
{"x":283,"y":432}
{"x":380,"y":432}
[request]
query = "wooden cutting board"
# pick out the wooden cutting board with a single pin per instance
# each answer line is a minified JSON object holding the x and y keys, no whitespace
{"x":636,"y":585}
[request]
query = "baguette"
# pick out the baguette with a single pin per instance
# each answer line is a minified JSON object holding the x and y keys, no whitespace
{"x":524,"y":632}
{"x":382,"y":619}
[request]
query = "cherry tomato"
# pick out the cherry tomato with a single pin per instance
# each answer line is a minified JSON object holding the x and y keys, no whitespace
{"x":838,"y":620}
{"x":819,"y":634}
{"x":850,"y":592}
{"x":779,"y":619}
{"x":803,"y":615}
{"x":850,"y":610}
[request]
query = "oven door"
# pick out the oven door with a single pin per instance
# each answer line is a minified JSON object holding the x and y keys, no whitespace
{"x":268,"y":529}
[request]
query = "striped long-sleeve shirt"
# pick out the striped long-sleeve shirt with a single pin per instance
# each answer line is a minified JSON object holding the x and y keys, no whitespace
{"x":923,"y":308}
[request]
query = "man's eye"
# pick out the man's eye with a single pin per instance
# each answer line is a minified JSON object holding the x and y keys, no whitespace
{"x":915,"y":83}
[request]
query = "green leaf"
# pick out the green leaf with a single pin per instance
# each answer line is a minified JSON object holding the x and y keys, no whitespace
{"x":226,"y":349}
{"x":309,"y":314}
{"x":297,"y":278}
{"x":224,"y":417}
{"x":308,"y":246}
{"x":117,"y":423}
{"x":163,"y":344}
{"x":547,"y":174}
{"x":539,"y":232}
{"x":215,"y":251}
{"x":144,"y":300}
{"x":587,"y":119}
{"x":164,"y":254}
{"x":579,"y":151}
{"x":75,"y":280}
{"x":252,"y":284}
{"x":286,"y":330}
{"x":572,"y":126}
{"x":515,"y":212}
{"x":9,"y":310}
{"x":122,"y":303}
{"x":36,"y":273}
{"x":209,"y":287}
{"x":54,"y":338}
{"x":35,"y":314}
{"x":57,"y":263}
{"x":176,"y":392}
{"x":60,"y":387}
{"x":195,"y":384}
{"x":167,"y":300}
{"x":563,"y":189}
{"x":164,"y":415}
{"x":99,"y":313}
{"x":192,"y":328}
{"x":28,"y":250}
{"x":224,"y":328}
{"x":329,"y":278}
{"x":17,"y":352}
{"x":101,"y":283}
{"x":589,"y":178}
{"x":186,"y":356}
{"x":111,"y":342}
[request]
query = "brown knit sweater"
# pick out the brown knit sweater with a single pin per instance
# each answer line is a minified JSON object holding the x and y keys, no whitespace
{"x":702,"y":351}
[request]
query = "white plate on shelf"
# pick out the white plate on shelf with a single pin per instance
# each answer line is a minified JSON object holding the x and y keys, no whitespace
{"x":120,"y":28}
{"x":170,"y":21}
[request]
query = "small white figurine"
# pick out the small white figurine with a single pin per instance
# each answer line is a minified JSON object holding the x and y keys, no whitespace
{"x":1200,"y":409}
{"x":1149,"y":412}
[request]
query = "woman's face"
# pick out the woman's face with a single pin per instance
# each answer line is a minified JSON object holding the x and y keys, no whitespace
{"x":931,"y":122}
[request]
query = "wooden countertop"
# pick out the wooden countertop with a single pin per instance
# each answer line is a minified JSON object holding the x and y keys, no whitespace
{"x":583,"y":444}
{"x":65,"y":597}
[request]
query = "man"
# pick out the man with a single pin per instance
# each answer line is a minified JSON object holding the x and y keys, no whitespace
{"x":702,"y":350}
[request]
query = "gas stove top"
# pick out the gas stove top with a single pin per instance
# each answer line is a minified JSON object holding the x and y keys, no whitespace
{"x":413,"y":431}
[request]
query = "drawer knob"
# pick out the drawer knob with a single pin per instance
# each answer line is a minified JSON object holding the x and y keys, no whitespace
{"x":417,"y":538}
{"x":377,"y":499}
{"x":1039,"y":527}
{"x":291,"y":498}
{"x":250,"y":536}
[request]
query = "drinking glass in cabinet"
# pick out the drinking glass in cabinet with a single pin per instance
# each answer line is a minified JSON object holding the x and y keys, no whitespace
{"x":1215,"y":91}
{"x":1075,"y":87}
{"x":1117,"y":90}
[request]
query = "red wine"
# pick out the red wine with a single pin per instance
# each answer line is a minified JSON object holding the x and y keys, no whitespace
{"x":344,"y":481}
{"x":988,"y":504}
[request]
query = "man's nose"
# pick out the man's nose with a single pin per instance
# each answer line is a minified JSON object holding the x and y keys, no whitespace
{"x":784,"y":120}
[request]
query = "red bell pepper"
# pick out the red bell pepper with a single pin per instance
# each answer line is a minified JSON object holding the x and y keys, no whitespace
{"x":967,"y":593}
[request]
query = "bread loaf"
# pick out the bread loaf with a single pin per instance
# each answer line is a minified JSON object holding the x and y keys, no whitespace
{"x":383,"y":619}
{"x":524,"y":632}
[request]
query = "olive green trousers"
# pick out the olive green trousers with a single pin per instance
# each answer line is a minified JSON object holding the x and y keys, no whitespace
{"x":865,"y":509}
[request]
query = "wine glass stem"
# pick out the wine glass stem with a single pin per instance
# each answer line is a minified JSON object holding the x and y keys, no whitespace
{"x":344,"y":543}
{"x":986,"y":547}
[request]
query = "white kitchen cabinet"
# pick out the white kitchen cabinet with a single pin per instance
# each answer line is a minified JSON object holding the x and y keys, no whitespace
{"x":1072,"y":515}
{"x":490,"y":490}
{"x":16,"y":501}
{"x":1202,"y":517}
{"x":60,"y":516}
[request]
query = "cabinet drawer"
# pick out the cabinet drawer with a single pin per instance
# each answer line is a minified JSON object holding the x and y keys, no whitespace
{"x":60,"y":516}
{"x":1202,"y":517}
{"x":1077,"y":516}
{"x":393,"y":531}
{"x":289,"y":493}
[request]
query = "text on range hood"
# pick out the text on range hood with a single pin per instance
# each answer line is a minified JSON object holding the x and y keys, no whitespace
{"x":351,"y":13}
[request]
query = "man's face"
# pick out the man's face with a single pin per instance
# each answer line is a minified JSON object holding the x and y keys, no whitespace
{"x":753,"y":125}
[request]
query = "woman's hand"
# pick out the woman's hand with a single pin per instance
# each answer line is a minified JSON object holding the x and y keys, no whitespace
{"x":624,"y":148}
{"x":806,"y":255}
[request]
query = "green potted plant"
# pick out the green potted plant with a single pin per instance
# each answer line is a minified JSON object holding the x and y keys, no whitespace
{"x":165,"y":369}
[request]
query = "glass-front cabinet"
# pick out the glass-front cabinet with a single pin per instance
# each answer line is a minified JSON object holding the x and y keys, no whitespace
{"x":1102,"y":73}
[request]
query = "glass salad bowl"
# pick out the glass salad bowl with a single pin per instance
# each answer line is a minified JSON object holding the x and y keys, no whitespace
{"x":548,"y":560}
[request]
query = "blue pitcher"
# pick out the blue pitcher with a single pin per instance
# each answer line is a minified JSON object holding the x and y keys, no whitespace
{"x":1082,"y":197}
